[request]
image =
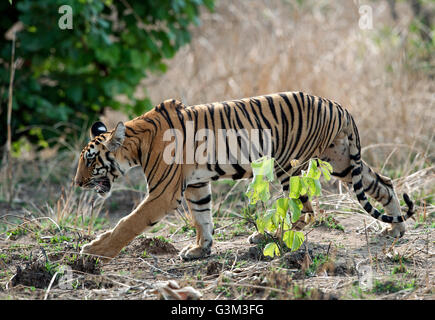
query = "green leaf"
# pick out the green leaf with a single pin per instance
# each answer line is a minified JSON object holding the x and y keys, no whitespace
{"x":263,"y":167}
{"x":304,"y":187}
{"x":293,"y":239}
{"x":261,"y":224}
{"x":326,"y":174}
{"x":270,"y":220}
{"x":318,"y":186}
{"x":271,"y":249}
{"x":258,"y":189}
{"x":295,"y":209}
{"x":282,"y":205}
{"x":75,"y":93}
{"x":326,"y":169}
{"x":313,"y":170}
{"x":287,"y":224}
{"x":326,"y":165}
{"x":314,"y":187}
{"x":263,"y":173}
{"x":295,"y":187}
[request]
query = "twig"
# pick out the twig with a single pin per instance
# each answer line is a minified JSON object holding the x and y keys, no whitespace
{"x":49,"y":286}
{"x":368,"y":245}
{"x":157,"y":269}
{"x":8,"y":123}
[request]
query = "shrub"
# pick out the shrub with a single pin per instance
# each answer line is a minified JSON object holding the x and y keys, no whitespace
{"x":67,"y":76}
{"x":278,"y":220}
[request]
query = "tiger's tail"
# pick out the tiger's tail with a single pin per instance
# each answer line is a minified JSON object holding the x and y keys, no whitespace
{"x":356,"y":164}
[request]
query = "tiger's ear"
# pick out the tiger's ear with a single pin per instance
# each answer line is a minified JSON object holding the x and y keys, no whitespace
{"x":97,"y":129}
{"x":116,"y":138}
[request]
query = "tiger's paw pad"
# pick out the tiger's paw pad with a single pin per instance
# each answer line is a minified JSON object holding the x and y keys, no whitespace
{"x":194,"y":252}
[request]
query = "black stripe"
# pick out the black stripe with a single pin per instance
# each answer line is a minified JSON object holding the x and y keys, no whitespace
{"x":204,"y":200}
{"x":355,"y":157}
{"x":387,"y":219}
{"x":299,"y":126}
{"x":303,"y":199}
{"x":361,"y":196}
{"x":218,"y":170}
{"x":198,"y":185}
{"x":369,"y":186}
{"x":240,"y":172}
{"x":356,"y":171}
{"x":201,"y":210}
{"x":388,"y":201}
{"x":343,"y":173}
{"x":358,"y":185}
{"x":272,"y":107}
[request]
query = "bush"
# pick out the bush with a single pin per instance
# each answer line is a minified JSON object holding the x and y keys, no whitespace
{"x":65,"y":77}
{"x":278,"y":221}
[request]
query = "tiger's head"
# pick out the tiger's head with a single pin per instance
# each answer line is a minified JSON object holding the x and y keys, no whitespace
{"x":98,"y":168}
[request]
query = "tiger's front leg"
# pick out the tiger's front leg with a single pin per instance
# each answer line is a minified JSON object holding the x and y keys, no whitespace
{"x":148,"y":213}
{"x":198,"y":198}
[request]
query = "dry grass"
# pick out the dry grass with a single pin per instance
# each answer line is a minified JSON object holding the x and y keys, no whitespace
{"x":248,"y":48}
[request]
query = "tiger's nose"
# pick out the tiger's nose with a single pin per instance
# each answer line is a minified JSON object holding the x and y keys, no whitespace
{"x":78,"y":182}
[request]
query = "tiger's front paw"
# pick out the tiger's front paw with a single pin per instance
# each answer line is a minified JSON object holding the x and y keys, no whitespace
{"x":194,"y":252}
{"x":101,"y":247}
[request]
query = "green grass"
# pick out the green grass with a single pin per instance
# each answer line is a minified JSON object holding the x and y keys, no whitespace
{"x":329,"y":222}
{"x":318,"y":261}
{"x":392,"y":286}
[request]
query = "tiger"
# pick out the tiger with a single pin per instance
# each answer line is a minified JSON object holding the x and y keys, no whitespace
{"x":300,"y":126}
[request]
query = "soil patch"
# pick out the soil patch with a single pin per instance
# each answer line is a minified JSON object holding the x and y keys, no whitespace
{"x":155,"y":246}
{"x":35,"y":274}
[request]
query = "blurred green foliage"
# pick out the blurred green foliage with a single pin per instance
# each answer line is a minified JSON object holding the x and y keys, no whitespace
{"x":65,"y":77}
{"x":419,"y":40}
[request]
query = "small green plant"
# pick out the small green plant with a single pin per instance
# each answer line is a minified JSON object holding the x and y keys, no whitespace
{"x":318,"y":261}
{"x":329,"y":222}
{"x":51,"y":268}
{"x":277,"y":221}
{"x":399,"y":269}
{"x":162,"y":239}
{"x":59,"y":239}
{"x":390,"y":286}
{"x":16,"y":233}
{"x":188,"y":229}
{"x":157,"y":228}
{"x":4,"y":257}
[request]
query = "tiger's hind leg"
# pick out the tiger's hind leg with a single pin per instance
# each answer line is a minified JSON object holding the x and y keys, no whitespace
{"x":375,"y":185}
{"x":198,"y":198}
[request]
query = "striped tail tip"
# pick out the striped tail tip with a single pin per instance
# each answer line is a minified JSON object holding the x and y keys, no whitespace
{"x":410,"y":204}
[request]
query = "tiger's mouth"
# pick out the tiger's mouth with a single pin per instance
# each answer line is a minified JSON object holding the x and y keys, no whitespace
{"x":100,"y":185}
